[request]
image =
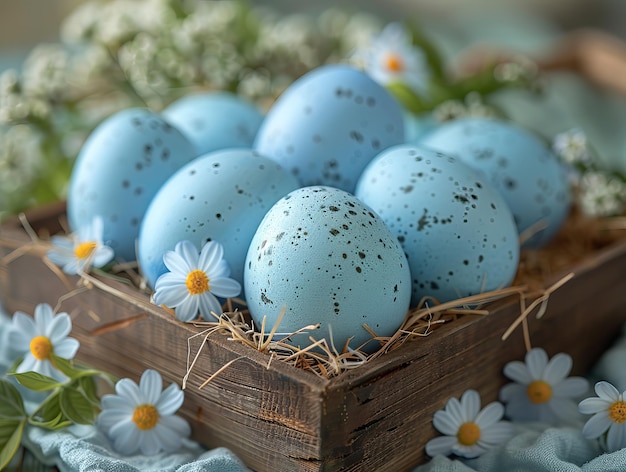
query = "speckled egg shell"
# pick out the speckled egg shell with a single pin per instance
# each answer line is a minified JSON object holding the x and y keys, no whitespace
{"x":518,"y":164}
{"x":329,"y":124}
{"x":215,"y":120}
{"x":455,"y":228}
{"x":328,"y":259}
{"x":221,"y":196}
{"x":119,"y":169}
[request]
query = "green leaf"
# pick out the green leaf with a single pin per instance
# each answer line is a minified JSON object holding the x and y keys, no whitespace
{"x":68,"y":368}
{"x":408,"y":98}
{"x":90,"y":390}
{"x":36,"y":381}
{"x":58,"y":422}
{"x":76,"y":406}
{"x":48,"y":410}
{"x":10,"y":437}
{"x":433,"y":56}
{"x":11,"y":403}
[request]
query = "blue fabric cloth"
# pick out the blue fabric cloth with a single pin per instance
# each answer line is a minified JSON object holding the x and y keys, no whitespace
{"x":534,"y":448}
{"x":86,"y":449}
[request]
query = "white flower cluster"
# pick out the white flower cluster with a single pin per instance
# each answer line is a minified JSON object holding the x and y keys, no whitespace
{"x":599,"y":192}
{"x":473,"y":105}
{"x":124,"y":53}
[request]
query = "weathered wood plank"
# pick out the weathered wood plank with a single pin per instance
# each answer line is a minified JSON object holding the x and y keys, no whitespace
{"x":277,"y":417}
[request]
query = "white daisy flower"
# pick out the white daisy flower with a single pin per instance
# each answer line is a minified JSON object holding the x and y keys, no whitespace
{"x":390,"y":57}
{"x":79,"y":251}
{"x":541,"y":390}
{"x":37,"y":339}
{"x":194,"y":282}
{"x":609,"y":416}
{"x":469,"y":431}
{"x":141,"y":417}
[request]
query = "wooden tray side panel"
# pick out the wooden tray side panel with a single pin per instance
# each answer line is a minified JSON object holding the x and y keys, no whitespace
{"x":381,"y":416}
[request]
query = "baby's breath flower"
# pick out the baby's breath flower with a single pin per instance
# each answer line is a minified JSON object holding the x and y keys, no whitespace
{"x":141,"y":418}
{"x":193,"y":282}
{"x":77,"y":252}
{"x":39,"y":338}
{"x":469,"y":431}
{"x":542,"y":390}
{"x":601,"y":194}
{"x":571,"y":146}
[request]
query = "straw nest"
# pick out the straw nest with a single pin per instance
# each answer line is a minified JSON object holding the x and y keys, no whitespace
{"x":540,"y":273}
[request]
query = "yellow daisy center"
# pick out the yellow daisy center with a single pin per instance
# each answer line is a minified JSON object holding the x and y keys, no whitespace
{"x":468,"y":434}
{"x":394,"y":62}
{"x":84,"y":250}
{"x":539,"y":391}
{"x":197,"y":282}
{"x":41,"y":348}
{"x":617,"y":411}
{"x":146,"y":417}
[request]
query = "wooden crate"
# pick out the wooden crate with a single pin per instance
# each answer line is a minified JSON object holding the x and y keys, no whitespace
{"x":278,"y":417}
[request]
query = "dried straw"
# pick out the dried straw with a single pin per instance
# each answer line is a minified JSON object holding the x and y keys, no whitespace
{"x":579,"y":238}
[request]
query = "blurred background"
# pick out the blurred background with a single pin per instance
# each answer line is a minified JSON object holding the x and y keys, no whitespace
{"x":531,"y":27}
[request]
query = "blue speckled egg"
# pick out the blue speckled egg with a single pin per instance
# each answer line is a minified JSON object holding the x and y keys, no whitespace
{"x":329,"y":124}
{"x":119,"y":169}
{"x":518,"y":164}
{"x":328,"y":259}
{"x":215,"y":120}
{"x":221,"y":196}
{"x":457,"y":231}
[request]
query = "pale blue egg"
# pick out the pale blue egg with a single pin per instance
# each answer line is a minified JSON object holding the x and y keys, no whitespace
{"x":215,"y":120}
{"x":326,"y":258}
{"x":119,"y":169}
{"x":329,"y":124}
{"x":518,"y":164}
{"x":455,"y":228}
{"x":221,"y":196}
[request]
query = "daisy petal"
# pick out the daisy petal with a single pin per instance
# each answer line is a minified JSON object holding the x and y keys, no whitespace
{"x":454,"y":409}
{"x":126,"y":438}
{"x":470,"y":401}
{"x":67,"y":348}
{"x":150,"y":386}
{"x":571,"y":387}
{"x":170,"y":296}
{"x":58,"y":327}
{"x":188,"y":309}
{"x":616,"y":439}
{"x":517,"y":372}
{"x":557,"y":369}
{"x":536,"y":361}
{"x":208,"y":304}
{"x":188,"y":251}
{"x":446,"y":423}
{"x":440,"y":446}
{"x":43,"y":315}
{"x":593,"y":405}
{"x":497,"y":433}
{"x":489,"y":415}
{"x":169,"y":439}
{"x":176,"y":424}
{"x":176,"y":263}
{"x":225,"y":288}
{"x":607,"y":391}
{"x":170,"y":400}
{"x":150,"y":444}
{"x":597,"y":425}
{"x":211,"y":255}
{"x":130,"y":390}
